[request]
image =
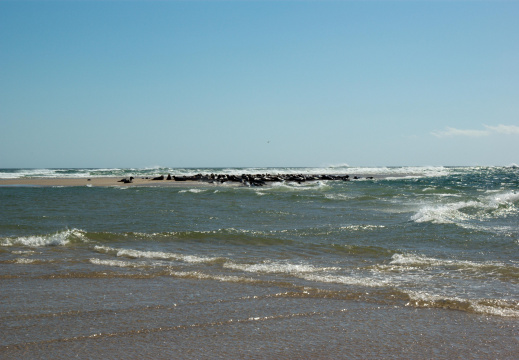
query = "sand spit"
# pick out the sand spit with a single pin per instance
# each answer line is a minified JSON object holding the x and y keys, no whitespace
{"x":181,"y":181}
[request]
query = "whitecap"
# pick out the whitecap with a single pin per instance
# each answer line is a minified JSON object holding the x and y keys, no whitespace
{"x":193,"y":191}
{"x":347,"y":280}
{"x":481,"y":306}
{"x":417,"y":260}
{"x":442,"y":214}
{"x":275,"y":267}
{"x":362,"y":227}
{"x":509,"y":197}
{"x":60,"y":238}
{"x":23,"y":252}
{"x":203,"y":276}
{"x":132,"y":253}
{"x":25,"y":261}
{"x":411,"y":260}
{"x":115,"y":263}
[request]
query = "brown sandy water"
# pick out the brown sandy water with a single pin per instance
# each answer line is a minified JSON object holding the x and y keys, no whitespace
{"x":168,"y":317}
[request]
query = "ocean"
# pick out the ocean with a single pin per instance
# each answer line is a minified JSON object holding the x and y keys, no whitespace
{"x":419,"y":262}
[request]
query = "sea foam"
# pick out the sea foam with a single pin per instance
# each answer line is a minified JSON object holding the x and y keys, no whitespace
{"x":275,"y":267}
{"x":60,"y":238}
{"x":481,"y":306}
{"x":488,"y":206}
{"x":132,"y":253}
{"x":417,"y":260}
{"x":347,"y":280}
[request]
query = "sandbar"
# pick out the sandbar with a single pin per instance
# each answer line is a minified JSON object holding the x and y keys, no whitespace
{"x":95,"y":182}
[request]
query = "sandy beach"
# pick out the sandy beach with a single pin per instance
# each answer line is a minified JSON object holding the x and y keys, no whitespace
{"x":96,"y":181}
{"x":116,"y":181}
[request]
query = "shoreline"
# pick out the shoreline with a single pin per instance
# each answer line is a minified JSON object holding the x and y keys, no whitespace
{"x":93,"y":182}
{"x":202,"y":180}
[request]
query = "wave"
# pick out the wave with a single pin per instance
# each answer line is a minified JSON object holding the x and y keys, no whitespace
{"x":293,"y":189}
{"x":481,"y":306}
{"x":412,"y":260}
{"x":276,"y":267}
{"x":118,"y":263}
{"x":347,"y":280}
{"x":362,"y":227}
{"x":489,"y":206}
{"x":223,"y":278}
{"x":194,"y":191}
{"x":412,"y":268}
{"x":135,"y":254}
{"x":382,"y":288}
{"x":504,"y":198}
{"x":26,"y":261}
{"x":223,"y":235}
{"x":60,"y":238}
{"x":23,"y":252}
{"x":416,"y":260}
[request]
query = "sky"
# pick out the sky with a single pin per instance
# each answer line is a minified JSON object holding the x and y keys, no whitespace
{"x":258,"y":83}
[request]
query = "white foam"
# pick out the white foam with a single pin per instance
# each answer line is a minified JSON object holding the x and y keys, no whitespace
{"x":362,"y":227}
{"x":493,"y":310}
{"x":131,"y":253}
{"x":482,"y":306}
{"x":25,"y":261}
{"x":115,"y":263}
{"x":347,"y":280}
{"x":442,"y":214}
{"x":291,"y":186}
{"x":194,"y":191}
{"x":411,"y":260}
{"x":60,"y":238}
{"x":338,"y":197}
{"x":23,"y":252}
{"x":489,"y":205}
{"x":509,"y":197}
{"x":275,"y":267}
{"x":202,"y":276}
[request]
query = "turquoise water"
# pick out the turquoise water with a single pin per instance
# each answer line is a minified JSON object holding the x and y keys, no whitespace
{"x":440,"y":241}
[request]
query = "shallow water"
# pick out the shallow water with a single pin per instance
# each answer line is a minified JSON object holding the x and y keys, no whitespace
{"x":421,"y":263}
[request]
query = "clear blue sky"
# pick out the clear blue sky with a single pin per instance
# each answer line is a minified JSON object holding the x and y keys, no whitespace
{"x":258,"y":83}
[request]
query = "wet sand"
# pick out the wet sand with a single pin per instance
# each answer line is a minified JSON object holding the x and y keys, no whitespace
{"x":165,"y":317}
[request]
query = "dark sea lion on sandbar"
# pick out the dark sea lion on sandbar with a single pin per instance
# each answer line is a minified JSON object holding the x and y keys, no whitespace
{"x":158,"y":178}
{"x":126,"y":180}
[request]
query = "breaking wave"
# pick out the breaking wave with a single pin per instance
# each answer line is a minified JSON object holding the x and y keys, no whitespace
{"x":416,"y":260}
{"x":481,"y":306}
{"x":490,"y":206}
{"x":490,"y":269}
{"x":276,"y":267}
{"x":137,"y":254}
{"x":347,"y":280}
{"x":61,"y":238}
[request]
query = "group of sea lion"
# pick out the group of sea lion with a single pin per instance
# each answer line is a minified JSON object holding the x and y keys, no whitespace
{"x":257,"y":179}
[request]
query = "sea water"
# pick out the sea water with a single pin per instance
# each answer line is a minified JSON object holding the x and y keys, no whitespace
{"x":415,"y":263}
